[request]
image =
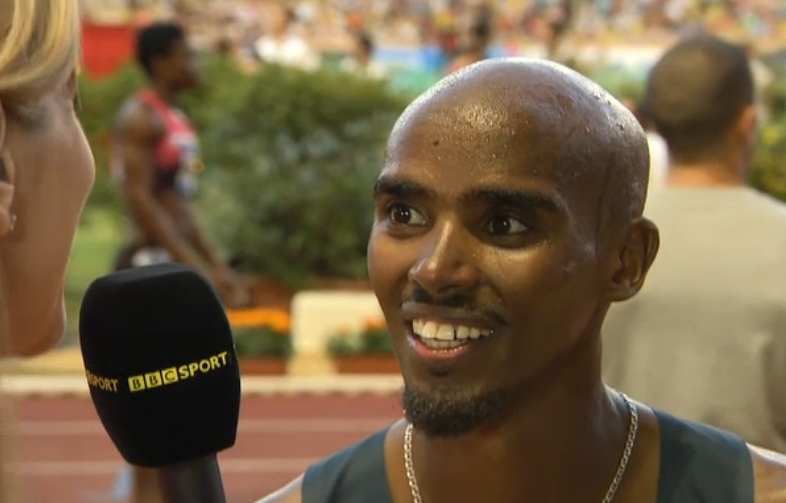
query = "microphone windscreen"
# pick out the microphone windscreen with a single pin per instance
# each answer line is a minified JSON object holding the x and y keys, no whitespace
{"x":161,"y":364}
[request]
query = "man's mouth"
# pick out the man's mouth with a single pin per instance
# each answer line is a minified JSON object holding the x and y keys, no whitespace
{"x":440,"y":335}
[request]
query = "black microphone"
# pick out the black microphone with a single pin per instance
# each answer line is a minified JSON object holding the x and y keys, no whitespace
{"x":163,"y":375}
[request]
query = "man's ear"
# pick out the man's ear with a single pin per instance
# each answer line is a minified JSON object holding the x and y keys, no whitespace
{"x":7,"y":177}
{"x":634,"y":259}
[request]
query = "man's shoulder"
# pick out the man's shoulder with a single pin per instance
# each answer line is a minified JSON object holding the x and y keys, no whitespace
{"x":769,"y":469}
{"x":363,"y":461}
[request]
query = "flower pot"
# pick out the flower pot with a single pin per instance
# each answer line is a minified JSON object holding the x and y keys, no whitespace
{"x":262,"y":366}
{"x":367,"y":364}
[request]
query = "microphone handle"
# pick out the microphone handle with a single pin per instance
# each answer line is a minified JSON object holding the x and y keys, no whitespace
{"x":197,"y":481}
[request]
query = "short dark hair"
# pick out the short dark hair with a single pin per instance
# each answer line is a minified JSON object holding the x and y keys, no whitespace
{"x":696,"y":92}
{"x":155,"y":41}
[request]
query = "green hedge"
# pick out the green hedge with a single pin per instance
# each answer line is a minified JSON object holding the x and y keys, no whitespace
{"x":262,"y":342}
{"x":375,"y":341}
{"x":768,"y":172}
{"x":291,"y":158}
{"x":99,"y":102}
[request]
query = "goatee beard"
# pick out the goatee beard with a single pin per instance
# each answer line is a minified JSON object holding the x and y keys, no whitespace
{"x":451,"y":412}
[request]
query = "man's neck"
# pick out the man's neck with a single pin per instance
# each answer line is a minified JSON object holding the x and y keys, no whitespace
{"x":704,"y":175}
{"x":562,"y":444}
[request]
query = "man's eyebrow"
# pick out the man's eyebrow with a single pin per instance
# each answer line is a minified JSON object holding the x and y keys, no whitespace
{"x":493,"y":196}
{"x":499,"y":196}
{"x":399,"y":188}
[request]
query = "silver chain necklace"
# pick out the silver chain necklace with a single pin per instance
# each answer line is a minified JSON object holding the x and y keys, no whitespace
{"x":633,"y":428}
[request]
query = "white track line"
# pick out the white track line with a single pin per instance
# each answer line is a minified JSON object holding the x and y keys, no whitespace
{"x":70,"y":384}
{"x":112,"y":467}
{"x":85,"y":428}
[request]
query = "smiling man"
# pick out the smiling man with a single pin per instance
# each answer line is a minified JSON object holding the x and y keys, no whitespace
{"x":508,"y":219}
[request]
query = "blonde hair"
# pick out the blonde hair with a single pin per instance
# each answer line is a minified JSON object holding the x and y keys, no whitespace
{"x":39,"y":47}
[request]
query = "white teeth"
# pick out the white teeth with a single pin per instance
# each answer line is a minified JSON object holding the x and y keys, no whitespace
{"x":446,"y":332}
{"x":437,"y":344}
{"x":429,"y":330}
{"x":440,"y":333}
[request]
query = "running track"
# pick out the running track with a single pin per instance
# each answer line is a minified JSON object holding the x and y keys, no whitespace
{"x":66,"y":456}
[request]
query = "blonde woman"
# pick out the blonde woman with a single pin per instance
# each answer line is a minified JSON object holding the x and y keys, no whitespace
{"x":46,"y":171}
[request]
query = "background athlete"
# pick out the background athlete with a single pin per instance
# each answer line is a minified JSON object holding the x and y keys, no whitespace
{"x":156,"y":160}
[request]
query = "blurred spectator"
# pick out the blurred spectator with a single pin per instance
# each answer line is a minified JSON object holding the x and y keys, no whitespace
{"x":705,"y":338}
{"x":282,"y":45}
{"x":323,"y":24}
{"x":362,"y":58}
{"x":476,"y":44}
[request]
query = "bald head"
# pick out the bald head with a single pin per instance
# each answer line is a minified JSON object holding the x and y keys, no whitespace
{"x":538,"y":114}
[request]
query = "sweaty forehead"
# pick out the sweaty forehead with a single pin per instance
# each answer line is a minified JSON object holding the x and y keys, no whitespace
{"x":518,"y":118}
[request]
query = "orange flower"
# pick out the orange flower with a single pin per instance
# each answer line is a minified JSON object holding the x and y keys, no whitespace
{"x":277,"y":319}
{"x":374,"y":324}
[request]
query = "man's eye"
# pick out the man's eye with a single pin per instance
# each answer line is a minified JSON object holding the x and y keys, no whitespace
{"x":503,"y":225}
{"x":401,"y":214}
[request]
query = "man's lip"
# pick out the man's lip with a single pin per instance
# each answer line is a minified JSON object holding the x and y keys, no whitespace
{"x":451,"y":316}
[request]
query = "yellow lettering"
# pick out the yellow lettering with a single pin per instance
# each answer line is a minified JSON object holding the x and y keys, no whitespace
{"x":161,"y":377}
{"x":136,"y":383}
{"x":102,"y":383}
{"x":153,"y":379}
{"x":169,"y":375}
{"x":223,"y":357}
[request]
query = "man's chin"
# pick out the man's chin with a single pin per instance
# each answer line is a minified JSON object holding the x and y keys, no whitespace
{"x":451,"y":413}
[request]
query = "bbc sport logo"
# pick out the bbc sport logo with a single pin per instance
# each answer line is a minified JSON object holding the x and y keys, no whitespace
{"x":152,"y":380}
{"x":159,"y":378}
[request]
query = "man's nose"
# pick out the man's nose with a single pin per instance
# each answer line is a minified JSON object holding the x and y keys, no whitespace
{"x":447,"y":261}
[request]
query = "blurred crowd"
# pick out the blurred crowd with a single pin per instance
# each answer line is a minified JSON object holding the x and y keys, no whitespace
{"x":327,"y":24}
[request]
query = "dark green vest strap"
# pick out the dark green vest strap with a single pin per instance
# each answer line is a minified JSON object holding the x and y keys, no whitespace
{"x":355,"y":475}
{"x":701,"y":464}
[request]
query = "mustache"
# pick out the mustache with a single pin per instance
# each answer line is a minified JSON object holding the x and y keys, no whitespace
{"x":454,"y":300}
